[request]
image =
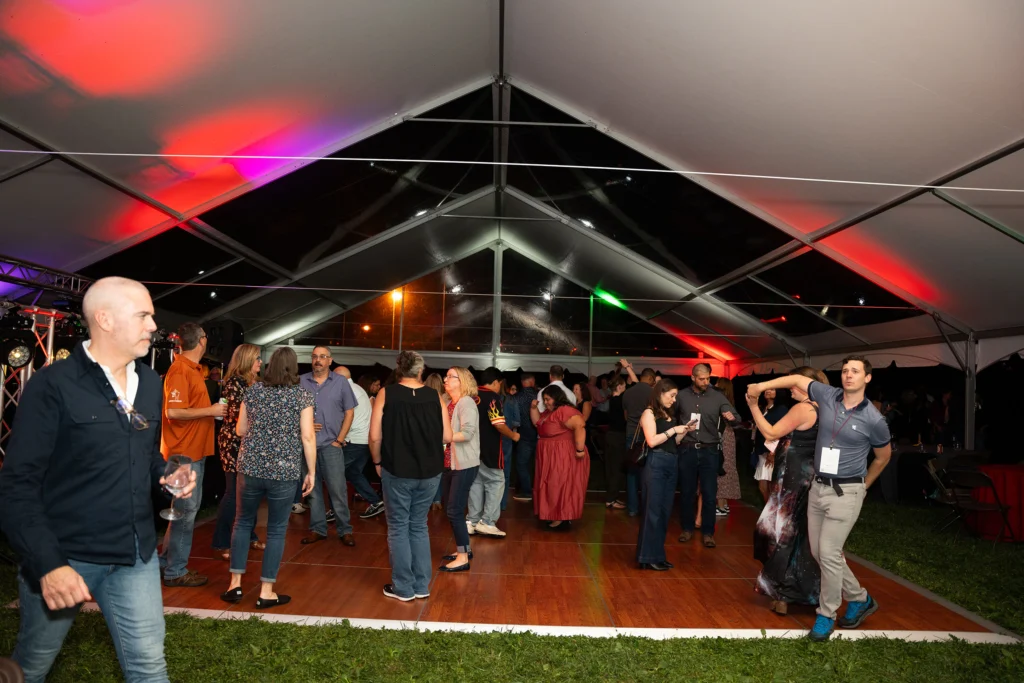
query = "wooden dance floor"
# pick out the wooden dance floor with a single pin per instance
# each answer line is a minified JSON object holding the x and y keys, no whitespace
{"x":583,"y":578}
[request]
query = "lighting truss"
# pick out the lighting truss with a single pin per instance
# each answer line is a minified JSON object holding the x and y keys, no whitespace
{"x":13,"y":380}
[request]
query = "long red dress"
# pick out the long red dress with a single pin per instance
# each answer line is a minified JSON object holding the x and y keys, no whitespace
{"x":560,"y":486}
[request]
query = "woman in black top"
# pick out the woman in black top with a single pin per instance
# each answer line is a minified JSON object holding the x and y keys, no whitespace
{"x":407,"y":427}
{"x":658,"y":478}
{"x":615,"y":444}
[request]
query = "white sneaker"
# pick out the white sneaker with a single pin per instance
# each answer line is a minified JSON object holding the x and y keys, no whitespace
{"x":299,"y":508}
{"x":470,"y":527}
{"x":489,"y":530}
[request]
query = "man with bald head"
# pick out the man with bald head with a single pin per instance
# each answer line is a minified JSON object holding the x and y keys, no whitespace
{"x":76,"y":486}
{"x":357,"y":447}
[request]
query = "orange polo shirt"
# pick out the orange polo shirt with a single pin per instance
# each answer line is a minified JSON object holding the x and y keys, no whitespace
{"x":184,"y":387}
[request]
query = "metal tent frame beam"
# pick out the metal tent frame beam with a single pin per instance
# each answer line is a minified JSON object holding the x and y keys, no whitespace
{"x":644,"y":263}
{"x":290,"y":278}
{"x":800,"y":239}
{"x":433,"y":269}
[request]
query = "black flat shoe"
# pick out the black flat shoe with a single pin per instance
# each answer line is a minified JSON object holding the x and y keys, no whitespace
{"x":656,"y":566}
{"x":233,"y":595}
{"x":449,"y":558}
{"x":267,"y":604}
{"x":669,"y":564}
{"x":563,"y":527}
{"x":460,"y":568}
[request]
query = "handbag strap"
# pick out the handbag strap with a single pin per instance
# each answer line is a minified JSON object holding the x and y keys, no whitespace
{"x":636,"y":432}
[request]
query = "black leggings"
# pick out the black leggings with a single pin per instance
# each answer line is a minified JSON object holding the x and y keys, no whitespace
{"x":455,"y":485}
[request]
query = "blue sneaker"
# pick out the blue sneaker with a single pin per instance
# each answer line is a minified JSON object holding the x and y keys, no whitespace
{"x":857,"y":612}
{"x":823,"y":627}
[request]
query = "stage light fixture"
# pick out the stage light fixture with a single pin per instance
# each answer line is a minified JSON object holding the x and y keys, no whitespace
{"x":587,"y":223}
{"x":213,"y":294}
{"x":201,"y":272}
{"x":457,"y":289}
{"x":861,"y":301}
{"x":366,"y":328}
{"x":16,"y":353}
{"x":421,"y":212}
{"x":546,"y":295}
{"x":396,"y":295}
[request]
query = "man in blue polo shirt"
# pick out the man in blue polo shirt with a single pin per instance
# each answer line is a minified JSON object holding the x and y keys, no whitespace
{"x":849,"y":427}
{"x":334,"y":410}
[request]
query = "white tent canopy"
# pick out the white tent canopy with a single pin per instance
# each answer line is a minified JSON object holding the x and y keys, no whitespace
{"x":896,"y":95}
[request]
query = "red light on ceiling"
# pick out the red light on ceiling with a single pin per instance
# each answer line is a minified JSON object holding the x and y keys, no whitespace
{"x":771,"y":321}
{"x":796,"y":296}
{"x":108,"y":48}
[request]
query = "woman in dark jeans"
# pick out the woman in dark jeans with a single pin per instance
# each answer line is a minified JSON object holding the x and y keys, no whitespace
{"x":408,"y":424}
{"x":242,"y":371}
{"x":658,"y":477}
{"x":461,"y":461}
{"x":276,"y":426}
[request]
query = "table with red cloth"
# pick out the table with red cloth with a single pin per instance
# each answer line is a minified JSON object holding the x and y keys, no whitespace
{"x":1009,"y":485}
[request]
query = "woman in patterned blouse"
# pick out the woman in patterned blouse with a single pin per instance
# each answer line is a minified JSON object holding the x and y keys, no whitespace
{"x":276,"y":426}
{"x":242,"y":370}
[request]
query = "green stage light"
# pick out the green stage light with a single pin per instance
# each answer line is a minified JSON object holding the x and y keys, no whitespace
{"x":610,"y":299}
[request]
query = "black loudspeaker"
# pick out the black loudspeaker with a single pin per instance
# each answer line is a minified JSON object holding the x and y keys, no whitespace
{"x":222,"y":338}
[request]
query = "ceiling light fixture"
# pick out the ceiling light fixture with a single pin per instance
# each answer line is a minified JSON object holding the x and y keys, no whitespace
{"x":587,"y":223}
{"x":396,"y":295}
{"x":421,"y":212}
{"x":457,"y":289}
{"x":861,"y":301}
{"x":546,"y":295}
{"x":213,"y":294}
{"x":366,"y":328}
{"x":201,"y":272}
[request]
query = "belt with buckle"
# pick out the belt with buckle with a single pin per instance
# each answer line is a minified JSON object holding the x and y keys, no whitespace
{"x":835,"y":482}
{"x":699,"y":445}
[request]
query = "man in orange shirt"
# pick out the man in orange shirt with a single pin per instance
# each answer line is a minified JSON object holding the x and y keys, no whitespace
{"x":188,"y":429}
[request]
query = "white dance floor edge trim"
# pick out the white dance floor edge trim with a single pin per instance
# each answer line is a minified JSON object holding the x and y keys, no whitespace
{"x":596,"y":631}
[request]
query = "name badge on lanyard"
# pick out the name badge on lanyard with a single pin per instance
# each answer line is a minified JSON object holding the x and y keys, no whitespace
{"x":830,"y":455}
{"x":829,"y":461}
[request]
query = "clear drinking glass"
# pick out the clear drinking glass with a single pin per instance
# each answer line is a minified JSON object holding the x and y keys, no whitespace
{"x":177,"y":474}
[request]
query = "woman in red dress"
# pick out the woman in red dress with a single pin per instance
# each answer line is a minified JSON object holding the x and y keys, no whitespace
{"x":562,"y":461}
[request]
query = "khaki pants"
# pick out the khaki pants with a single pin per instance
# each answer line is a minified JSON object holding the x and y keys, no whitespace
{"x":829,"y":521}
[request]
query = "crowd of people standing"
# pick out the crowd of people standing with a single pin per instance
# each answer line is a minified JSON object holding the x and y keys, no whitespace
{"x":99,"y":431}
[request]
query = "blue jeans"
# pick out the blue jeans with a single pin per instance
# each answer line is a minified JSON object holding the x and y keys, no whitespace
{"x":356,"y":457}
{"x":178,"y":537}
{"x":506,"y":448}
{"x":524,"y":467}
{"x":455,"y":485}
{"x":279,"y":504}
{"x":226,"y":515}
{"x":330,"y":468}
{"x":132,"y":604}
{"x":659,"y":488}
{"x":698,"y":464}
{"x":406,"y":504}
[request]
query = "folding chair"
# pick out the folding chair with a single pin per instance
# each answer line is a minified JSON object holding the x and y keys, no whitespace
{"x":964,"y":482}
{"x":945,"y":496}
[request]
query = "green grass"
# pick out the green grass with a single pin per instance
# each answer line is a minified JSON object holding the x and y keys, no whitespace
{"x":209,"y":650}
{"x":982,"y":579}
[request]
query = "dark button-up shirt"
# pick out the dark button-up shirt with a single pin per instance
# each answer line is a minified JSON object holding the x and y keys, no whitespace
{"x":333,"y":397}
{"x":78,"y":478}
{"x":709,"y":405}
{"x":854,"y":432}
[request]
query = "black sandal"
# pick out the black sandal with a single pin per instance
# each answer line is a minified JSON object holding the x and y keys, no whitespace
{"x":233,"y":595}
{"x":267,"y":604}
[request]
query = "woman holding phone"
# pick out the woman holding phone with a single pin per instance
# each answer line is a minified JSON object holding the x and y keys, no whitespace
{"x":659,"y":474}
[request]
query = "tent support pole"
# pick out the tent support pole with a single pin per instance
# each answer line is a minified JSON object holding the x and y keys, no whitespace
{"x":590,"y":340}
{"x":496,"y":313}
{"x":970,"y":392}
